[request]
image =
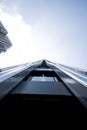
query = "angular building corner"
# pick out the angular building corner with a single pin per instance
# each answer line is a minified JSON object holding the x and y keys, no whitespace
{"x":5,"y":43}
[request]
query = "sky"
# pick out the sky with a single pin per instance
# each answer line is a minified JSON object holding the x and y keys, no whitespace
{"x":55,"y":30}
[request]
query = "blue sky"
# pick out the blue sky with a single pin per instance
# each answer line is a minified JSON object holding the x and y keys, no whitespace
{"x":45,"y":29}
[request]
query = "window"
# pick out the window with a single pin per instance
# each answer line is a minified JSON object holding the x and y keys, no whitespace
{"x":44,"y":78}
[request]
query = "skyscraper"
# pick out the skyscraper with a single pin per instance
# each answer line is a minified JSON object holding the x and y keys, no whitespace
{"x":5,"y":43}
{"x":43,"y":90}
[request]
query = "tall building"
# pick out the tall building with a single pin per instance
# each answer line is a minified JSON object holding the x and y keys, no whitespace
{"x":5,"y":43}
{"x":43,"y":90}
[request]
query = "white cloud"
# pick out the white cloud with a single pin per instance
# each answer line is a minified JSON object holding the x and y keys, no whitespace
{"x":19,"y":32}
{"x":29,"y":43}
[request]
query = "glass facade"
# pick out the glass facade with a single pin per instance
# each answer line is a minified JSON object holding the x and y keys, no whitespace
{"x":5,"y":43}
